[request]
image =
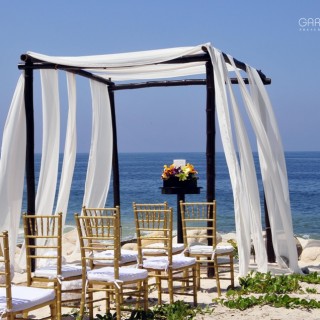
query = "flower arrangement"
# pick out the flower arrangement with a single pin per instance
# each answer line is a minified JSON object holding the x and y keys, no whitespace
{"x":183,"y":173}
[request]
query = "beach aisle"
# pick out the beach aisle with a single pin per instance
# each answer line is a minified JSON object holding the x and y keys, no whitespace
{"x":310,"y":258}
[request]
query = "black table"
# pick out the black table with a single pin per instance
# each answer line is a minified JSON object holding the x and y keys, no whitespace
{"x":180,"y":192}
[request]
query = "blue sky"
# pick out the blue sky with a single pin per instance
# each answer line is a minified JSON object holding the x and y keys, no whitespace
{"x":266,"y":35}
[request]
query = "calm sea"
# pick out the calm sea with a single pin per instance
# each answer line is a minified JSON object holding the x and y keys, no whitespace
{"x":140,"y":182}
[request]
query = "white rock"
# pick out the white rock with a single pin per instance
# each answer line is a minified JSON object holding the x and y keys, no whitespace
{"x":311,"y":252}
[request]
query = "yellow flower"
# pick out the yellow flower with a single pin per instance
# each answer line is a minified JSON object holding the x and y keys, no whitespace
{"x":183,"y":173}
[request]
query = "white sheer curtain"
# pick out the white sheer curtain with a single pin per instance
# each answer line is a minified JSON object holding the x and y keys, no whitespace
{"x":50,"y":144}
{"x":250,"y":196}
{"x":268,"y":141}
{"x":48,"y":175}
{"x":100,"y":157}
{"x":274,"y":174}
{"x":123,"y":60}
{"x":70,"y":150}
{"x":136,"y":65}
{"x":242,"y":175}
{"x":12,"y":165}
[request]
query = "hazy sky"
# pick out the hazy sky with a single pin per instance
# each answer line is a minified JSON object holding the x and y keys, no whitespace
{"x":269,"y":35}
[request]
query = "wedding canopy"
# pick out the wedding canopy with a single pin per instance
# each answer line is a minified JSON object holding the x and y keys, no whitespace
{"x":103,"y":72}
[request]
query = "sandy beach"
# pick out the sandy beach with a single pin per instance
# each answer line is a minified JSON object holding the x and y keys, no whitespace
{"x":310,"y":258}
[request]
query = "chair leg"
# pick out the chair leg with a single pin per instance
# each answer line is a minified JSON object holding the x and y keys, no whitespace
{"x":216,"y":271}
{"x":158,"y":283}
{"x":138,"y":295}
{"x":170,"y":285}
{"x":58,"y":297}
{"x":145,"y":294}
{"x":10,"y":316}
{"x":194,"y":284}
{"x":198,"y":270}
{"x":53,"y":311}
{"x":118,"y":302}
{"x":83,"y":299}
{"x":90,"y":303}
{"x":108,"y":299}
{"x":231,"y":271}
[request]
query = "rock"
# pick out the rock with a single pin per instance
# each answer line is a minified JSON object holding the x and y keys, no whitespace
{"x":197,"y":239}
{"x":228,"y":236}
{"x":311,"y":252}
{"x":303,"y":242}
{"x":130,"y":246}
{"x":299,"y":247}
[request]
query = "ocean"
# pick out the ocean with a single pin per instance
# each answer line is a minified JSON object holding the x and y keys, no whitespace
{"x":140,"y":181}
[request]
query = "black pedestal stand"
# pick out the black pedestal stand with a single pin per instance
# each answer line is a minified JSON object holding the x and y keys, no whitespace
{"x":180,"y":192}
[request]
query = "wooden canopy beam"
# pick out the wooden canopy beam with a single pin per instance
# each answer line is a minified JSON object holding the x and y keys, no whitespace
{"x":169,"y":83}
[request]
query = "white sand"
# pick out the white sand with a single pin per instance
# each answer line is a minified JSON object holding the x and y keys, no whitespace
{"x":208,"y":290}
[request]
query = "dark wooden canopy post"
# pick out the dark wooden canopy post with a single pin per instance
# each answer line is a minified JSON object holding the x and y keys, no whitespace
{"x":210,"y":146}
{"x":115,"y":158}
{"x":211,"y":133}
{"x":30,"y":175}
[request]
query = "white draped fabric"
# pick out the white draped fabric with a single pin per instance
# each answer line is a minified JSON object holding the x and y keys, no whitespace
{"x":122,"y":60}
{"x":70,"y":150}
{"x":250,"y":186}
{"x":251,"y":219}
{"x":242,"y":171}
{"x":146,"y":65}
{"x":273,"y":168}
{"x":136,"y":65}
{"x":48,"y":175}
{"x":12,"y":166}
{"x":50,"y":142}
{"x":274,"y":174}
{"x":100,"y":157}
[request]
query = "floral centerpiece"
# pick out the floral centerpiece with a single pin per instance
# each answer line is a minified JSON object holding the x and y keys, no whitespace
{"x":179,"y":176}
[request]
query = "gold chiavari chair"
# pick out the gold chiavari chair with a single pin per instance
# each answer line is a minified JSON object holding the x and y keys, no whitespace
{"x":157,"y":248}
{"x":155,"y":225}
{"x":43,"y":243}
{"x":20,"y":300}
{"x":128,"y":257}
{"x":200,"y":240}
{"x":113,"y":282}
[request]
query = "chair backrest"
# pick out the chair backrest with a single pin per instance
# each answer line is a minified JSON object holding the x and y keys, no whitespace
{"x":100,"y":212}
{"x":153,"y":227}
{"x":150,"y":206}
{"x":98,"y":234}
{"x":199,"y":223}
{"x":5,"y":272}
{"x":43,"y":241}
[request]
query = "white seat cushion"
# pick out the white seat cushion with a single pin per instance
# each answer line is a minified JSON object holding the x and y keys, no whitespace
{"x":161,"y":263}
{"x":50,"y":272}
{"x":202,"y":249}
{"x":125,"y":274}
{"x":127,"y":256}
{"x":158,"y":248}
{"x":26,"y":297}
{"x":224,"y":249}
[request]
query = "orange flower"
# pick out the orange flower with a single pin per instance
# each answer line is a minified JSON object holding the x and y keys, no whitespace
{"x":183,"y":173}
